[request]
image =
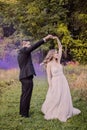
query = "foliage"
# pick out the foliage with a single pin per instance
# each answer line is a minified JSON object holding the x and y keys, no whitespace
{"x":65,"y":18}
{"x":79,"y":51}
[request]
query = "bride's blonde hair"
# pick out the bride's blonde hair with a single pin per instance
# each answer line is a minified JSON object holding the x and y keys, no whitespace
{"x":48,"y":57}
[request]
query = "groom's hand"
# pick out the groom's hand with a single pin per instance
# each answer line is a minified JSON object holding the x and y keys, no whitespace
{"x":48,"y":37}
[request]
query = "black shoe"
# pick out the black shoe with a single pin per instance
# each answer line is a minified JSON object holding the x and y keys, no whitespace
{"x":24,"y":116}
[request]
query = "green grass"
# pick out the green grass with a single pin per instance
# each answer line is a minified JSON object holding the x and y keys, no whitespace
{"x":11,"y":120}
{"x":10,"y":90}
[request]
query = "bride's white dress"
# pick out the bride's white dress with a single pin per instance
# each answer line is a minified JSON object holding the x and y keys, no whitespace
{"x":58,"y":102}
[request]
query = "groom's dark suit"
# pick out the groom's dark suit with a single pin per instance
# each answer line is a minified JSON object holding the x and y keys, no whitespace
{"x":26,"y":76}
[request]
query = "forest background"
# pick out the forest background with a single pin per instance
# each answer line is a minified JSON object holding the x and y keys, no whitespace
{"x":35,"y":19}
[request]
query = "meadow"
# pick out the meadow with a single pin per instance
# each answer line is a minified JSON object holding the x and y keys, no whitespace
{"x":10,"y":90}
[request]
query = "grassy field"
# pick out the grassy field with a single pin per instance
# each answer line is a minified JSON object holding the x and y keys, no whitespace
{"x":10,"y":90}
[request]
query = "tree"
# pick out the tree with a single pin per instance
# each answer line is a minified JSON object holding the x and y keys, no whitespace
{"x":65,"y":18}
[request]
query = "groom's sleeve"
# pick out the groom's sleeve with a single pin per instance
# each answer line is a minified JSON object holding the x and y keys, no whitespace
{"x":34,"y":46}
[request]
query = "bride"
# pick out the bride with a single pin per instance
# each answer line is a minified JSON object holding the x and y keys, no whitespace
{"x":58,"y":102}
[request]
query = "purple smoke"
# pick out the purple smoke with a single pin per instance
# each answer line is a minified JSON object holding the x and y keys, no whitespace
{"x":10,"y":62}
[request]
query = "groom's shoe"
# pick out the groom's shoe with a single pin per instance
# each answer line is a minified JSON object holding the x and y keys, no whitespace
{"x":25,"y":116}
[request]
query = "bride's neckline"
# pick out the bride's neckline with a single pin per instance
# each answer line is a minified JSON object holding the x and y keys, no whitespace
{"x":55,"y":63}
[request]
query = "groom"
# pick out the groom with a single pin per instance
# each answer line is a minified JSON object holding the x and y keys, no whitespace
{"x":27,"y":72}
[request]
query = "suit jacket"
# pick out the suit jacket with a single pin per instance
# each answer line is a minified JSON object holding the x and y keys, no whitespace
{"x":25,"y":60}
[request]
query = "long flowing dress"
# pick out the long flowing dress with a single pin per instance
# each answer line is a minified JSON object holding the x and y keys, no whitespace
{"x":58,"y":102}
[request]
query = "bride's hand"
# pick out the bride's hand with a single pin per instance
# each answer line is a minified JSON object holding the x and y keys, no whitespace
{"x":55,"y":37}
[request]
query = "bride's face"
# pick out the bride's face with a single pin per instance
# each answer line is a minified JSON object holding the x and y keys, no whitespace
{"x":55,"y":56}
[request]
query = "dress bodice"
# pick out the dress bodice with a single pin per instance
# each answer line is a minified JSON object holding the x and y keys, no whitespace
{"x":57,"y":70}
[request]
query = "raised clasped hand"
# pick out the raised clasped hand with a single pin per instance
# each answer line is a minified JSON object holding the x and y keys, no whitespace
{"x":55,"y":37}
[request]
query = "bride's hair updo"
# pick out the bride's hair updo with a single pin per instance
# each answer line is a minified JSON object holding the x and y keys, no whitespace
{"x":48,"y":57}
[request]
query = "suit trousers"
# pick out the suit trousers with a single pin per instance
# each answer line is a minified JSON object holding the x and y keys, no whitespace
{"x":27,"y":87}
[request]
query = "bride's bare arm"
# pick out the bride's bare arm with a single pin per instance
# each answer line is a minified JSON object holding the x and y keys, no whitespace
{"x":60,"y":48}
{"x":49,"y":76}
